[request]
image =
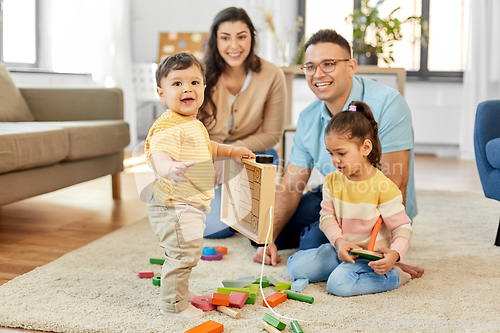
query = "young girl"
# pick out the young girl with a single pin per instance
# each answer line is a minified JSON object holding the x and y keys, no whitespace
{"x":354,"y":197}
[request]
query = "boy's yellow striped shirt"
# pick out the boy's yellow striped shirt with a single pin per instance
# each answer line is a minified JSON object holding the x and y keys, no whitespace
{"x":184,"y":140}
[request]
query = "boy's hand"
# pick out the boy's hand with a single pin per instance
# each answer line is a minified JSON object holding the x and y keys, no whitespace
{"x":383,"y":266}
{"x":176,"y":172}
{"x":241,"y":152}
{"x":343,"y":249}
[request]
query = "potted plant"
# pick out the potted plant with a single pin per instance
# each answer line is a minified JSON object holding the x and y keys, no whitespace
{"x":374,"y":36}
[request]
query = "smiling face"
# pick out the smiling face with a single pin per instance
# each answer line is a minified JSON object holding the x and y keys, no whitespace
{"x":334,"y":87}
{"x":348,"y":157}
{"x":182,"y":90}
{"x":234,"y":42}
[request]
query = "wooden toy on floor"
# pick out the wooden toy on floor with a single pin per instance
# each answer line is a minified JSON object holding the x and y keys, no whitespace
{"x":145,"y":274}
{"x":157,"y":261}
{"x":369,"y":253}
{"x":237,"y":300}
{"x":272,"y":280}
{"x":247,"y":195}
{"x":282,"y":286}
{"x":299,"y":297}
{"x":207,"y":327}
{"x":274,"y":322}
{"x":208,"y":250}
{"x":299,"y":285}
{"x":296,"y":327}
{"x":220,"y":299}
{"x":269,"y":328}
{"x":210,"y":257}
{"x":265,"y":283}
{"x":230,"y":312}
{"x":157,"y":280}
{"x":222,"y":249}
{"x":275,"y":299}
{"x":240,"y":283}
{"x":228,"y":291}
{"x":203,"y":303}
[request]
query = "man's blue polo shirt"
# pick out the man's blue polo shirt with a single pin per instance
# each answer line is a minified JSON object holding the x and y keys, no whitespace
{"x":395,"y":130}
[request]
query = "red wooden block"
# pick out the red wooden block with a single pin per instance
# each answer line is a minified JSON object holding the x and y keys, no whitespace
{"x":237,"y":300}
{"x":203,"y":303}
{"x":207,"y":327}
{"x":275,"y":299}
{"x":220,"y":299}
{"x":145,"y":274}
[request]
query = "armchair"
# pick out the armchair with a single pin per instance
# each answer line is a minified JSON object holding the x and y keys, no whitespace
{"x":487,"y":150}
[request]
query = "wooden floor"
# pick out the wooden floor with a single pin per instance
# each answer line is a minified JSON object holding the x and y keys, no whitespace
{"x":36,"y":231}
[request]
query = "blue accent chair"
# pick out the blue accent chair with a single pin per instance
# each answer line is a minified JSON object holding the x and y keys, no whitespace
{"x":487,"y":150}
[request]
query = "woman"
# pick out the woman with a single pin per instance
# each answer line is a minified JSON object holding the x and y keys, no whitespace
{"x":244,"y":97}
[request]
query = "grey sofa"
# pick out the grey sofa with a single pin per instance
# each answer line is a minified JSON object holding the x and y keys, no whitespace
{"x":54,"y":138}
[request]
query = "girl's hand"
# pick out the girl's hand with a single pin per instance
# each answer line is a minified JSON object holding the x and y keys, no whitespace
{"x":343,"y":249}
{"x":241,"y":152}
{"x":383,"y":266}
{"x":176,"y":172}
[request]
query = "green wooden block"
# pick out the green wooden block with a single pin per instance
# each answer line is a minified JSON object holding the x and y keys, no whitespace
{"x":296,"y":327}
{"x":282,"y":286}
{"x":274,"y":322}
{"x":228,"y":291}
{"x":251,"y":299}
{"x":157,"y":261}
{"x":265,"y":283}
{"x":299,"y":297}
{"x":157,"y":280}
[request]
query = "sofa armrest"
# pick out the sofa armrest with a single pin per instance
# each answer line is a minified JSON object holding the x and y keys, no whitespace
{"x":49,"y":104}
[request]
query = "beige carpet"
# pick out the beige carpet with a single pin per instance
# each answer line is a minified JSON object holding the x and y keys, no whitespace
{"x":95,"y":288}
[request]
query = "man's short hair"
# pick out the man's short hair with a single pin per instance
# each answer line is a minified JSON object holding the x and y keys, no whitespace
{"x":328,"y":36}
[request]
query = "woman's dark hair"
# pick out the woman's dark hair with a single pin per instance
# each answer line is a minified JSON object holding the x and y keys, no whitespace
{"x":358,"y":125}
{"x":328,"y":36}
{"x":214,"y":63}
{"x":178,"y":61}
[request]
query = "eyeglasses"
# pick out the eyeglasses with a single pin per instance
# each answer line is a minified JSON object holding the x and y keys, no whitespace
{"x":326,"y":66}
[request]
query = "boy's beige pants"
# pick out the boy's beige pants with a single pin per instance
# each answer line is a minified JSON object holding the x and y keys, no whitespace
{"x":179,"y":229}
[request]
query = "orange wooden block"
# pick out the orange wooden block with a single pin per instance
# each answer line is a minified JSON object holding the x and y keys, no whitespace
{"x":220,"y":299}
{"x":207,"y":327}
{"x":275,"y":299}
{"x":222,"y":249}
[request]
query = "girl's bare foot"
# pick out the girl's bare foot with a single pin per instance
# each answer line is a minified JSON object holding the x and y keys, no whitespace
{"x":414,"y":271}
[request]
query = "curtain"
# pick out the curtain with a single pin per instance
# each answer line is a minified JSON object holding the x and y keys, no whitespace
{"x":482,"y":73}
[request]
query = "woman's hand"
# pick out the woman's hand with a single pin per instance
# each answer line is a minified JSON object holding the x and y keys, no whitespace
{"x":383,"y":266}
{"x":241,"y":153}
{"x":343,"y":249}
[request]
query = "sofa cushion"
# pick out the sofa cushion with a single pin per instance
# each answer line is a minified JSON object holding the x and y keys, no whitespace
{"x":493,"y":152}
{"x":13,"y":106}
{"x":26,"y":145}
{"x":92,"y":138}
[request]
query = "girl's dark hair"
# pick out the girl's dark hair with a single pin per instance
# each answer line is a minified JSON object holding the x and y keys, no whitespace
{"x":214,"y":63}
{"x":178,"y":61}
{"x":358,"y":125}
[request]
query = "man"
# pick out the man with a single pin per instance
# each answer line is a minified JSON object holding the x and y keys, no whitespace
{"x":329,"y":71}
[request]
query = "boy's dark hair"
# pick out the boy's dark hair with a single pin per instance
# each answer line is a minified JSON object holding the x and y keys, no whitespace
{"x":328,"y":36}
{"x":178,"y":61}
{"x":358,"y":125}
{"x":216,"y":65}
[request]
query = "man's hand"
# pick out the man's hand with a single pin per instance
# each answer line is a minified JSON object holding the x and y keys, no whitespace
{"x":272,"y":257}
{"x":176,"y":172}
{"x":383,"y":266}
{"x":343,"y":249}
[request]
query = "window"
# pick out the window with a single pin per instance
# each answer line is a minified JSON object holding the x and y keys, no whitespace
{"x":18,"y":38}
{"x":443,"y":56}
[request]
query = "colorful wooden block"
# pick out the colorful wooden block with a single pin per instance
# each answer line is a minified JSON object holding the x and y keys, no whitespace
{"x":299,"y":297}
{"x":251,"y":299}
{"x":299,"y":285}
{"x":220,"y":299}
{"x":236,"y":283}
{"x":228,"y":291}
{"x":207,"y":327}
{"x":222,"y":249}
{"x":269,"y":328}
{"x":203,"y":303}
{"x":211,"y":257}
{"x":246,"y":277}
{"x":296,"y":327}
{"x":272,"y":280}
{"x":275,"y":299}
{"x":208,"y":250}
{"x":254,"y":288}
{"x":274,"y":322}
{"x":282,"y":286}
{"x":237,"y":300}
{"x":265,"y":283}
{"x":230,"y":312}
{"x":145,"y":274}
{"x":157,"y":280}
{"x":157,"y":261}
